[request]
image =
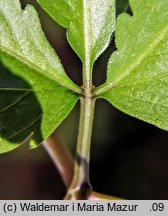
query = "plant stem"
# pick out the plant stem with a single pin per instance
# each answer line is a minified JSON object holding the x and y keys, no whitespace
{"x":63,"y":161}
{"x":60,"y":156}
{"x":80,"y":185}
{"x":102,"y":89}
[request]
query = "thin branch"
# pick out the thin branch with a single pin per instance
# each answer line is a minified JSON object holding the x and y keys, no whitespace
{"x":63,"y":161}
{"x":61,"y":157}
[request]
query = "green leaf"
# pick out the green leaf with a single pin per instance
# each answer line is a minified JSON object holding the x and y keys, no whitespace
{"x":121,"y":6}
{"x":138,"y":70}
{"x":21,"y":36}
{"x":33,"y":101}
{"x":89,"y":23}
{"x":31,"y":106}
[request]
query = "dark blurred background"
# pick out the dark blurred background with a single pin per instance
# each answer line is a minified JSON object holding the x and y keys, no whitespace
{"x":129,"y":158}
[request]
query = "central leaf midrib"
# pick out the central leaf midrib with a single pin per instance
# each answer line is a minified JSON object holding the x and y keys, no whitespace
{"x":30,"y":64}
{"x":86,"y":42}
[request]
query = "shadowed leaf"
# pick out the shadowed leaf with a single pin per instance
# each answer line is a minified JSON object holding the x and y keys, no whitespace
{"x":33,"y":101}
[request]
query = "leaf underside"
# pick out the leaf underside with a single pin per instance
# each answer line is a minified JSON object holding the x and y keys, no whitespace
{"x":27,"y":109}
{"x":138,"y":70}
{"x":21,"y":36}
{"x":33,"y":101}
{"x":89,"y":23}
